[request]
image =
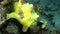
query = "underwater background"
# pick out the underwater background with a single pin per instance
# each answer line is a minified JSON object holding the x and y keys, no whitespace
{"x":48,"y":9}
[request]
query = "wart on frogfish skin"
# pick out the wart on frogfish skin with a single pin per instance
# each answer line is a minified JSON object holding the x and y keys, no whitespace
{"x":21,"y":15}
{"x":23,"y":1}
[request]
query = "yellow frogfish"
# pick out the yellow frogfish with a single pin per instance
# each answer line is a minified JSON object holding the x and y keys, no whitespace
{"x":25,"y":14}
